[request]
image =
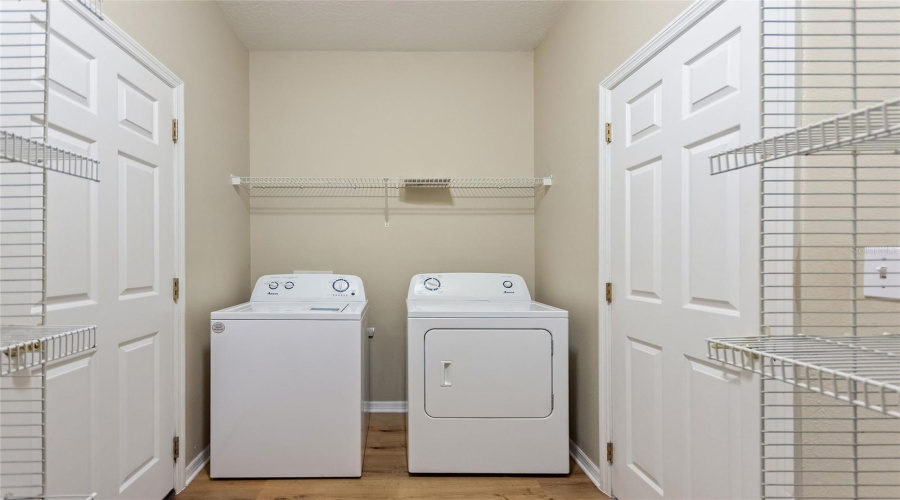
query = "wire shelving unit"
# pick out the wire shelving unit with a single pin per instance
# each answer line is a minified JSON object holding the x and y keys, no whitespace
{"x":37,"y":153}
{"x":260,"y":185}
{"x":864,"y":371}
{"x":95,"y":6}
{"x":26,"y":159}
{"x":829,"y":159}
{"x":290,"y":187}
{"x":25,"y":347}
{"x":25,"y":352}
{"x":872,"y":130}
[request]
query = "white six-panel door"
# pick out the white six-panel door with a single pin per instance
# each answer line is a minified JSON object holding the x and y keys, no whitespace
{"x":684,"y":264}
{"x":111,"y":257}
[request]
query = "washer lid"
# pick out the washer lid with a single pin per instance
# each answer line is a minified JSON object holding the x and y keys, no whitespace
{"x":481,"y":309}
{"x":293,"y":310}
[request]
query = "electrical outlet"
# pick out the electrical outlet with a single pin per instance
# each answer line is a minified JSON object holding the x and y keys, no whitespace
{"x":882,"y":272}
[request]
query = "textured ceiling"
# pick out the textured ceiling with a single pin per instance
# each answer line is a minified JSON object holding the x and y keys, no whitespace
{"x":483,"y":25}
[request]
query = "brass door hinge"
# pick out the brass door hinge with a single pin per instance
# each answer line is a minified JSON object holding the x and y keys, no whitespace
{"x":175,"y":290}
{"x":609,"y":293}
{"x":609,"y":133}
{"x":174,"y":130}
{"x":176,"y":448}
{"x":609,"y":453}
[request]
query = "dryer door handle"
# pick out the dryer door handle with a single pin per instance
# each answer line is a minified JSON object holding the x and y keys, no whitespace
{"x":445,"y":374}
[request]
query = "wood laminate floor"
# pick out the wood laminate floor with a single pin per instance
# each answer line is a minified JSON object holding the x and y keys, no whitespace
{"x":385,"y":476}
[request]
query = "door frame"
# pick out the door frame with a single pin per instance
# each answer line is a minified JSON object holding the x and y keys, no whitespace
{"x":118,"y":36}
{"x":680,"y":25}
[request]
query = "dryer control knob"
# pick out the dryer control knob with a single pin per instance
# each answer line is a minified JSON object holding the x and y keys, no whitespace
{"x":340,"y":285}
{"x":273,"y":285}
{"x":507,"y":284}
{"x":432,"y":284}
{"x":289,"y":285}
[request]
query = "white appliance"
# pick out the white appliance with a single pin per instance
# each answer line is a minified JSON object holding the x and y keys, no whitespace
{"x":289,"y":379}
{"x":487,"y":377}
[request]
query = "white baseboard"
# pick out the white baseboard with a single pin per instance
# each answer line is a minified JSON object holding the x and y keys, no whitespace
{"x":386,"y":406}
{"x":589,"y":467}
{"x":196,"y":465}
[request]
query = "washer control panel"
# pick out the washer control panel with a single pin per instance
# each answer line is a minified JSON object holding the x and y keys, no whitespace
{"x":308,"y":287}
{"x":468,"y":286}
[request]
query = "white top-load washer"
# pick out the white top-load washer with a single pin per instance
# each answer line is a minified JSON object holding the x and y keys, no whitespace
{"x":289,"y":378}
{"x":487,"y":377}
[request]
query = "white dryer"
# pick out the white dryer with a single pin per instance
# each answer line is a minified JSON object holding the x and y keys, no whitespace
{"x":289,"y":379}
{"x":487,"y":377}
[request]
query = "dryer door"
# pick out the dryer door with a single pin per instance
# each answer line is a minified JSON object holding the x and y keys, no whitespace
{"x":488,"y":373}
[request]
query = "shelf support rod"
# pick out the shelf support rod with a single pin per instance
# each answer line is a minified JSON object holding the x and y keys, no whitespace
{"x":387,"y":222}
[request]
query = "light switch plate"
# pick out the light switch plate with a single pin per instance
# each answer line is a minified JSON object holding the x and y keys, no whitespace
{"x":882,"y":261}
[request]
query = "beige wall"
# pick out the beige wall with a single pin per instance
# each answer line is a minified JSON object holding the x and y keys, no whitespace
{"x":586,"y":43}
{"x":433,"y":114}
{"x":196,"y":42}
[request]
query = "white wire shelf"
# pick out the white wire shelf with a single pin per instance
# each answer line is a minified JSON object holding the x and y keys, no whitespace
{"x":864,"y":371}
{"x":873,"y":130}
{"x":23,"y":347}
{"x":54,"y":497}
{"x":95,"y":6}
{"x":257,"y":184}
{"x":18,"y":149}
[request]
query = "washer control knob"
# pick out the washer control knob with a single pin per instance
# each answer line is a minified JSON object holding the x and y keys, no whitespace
{"x":507,"y":284}
{"x":289,"y":285}
{"x":340,"y":285}
{"x":432,"y":284}
{"x":273,"y":285}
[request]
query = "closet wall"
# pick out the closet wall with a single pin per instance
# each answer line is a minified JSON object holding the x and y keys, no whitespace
{"x":194,"y":40}
{"x":586,"y":43}
{"x":394,"y":114}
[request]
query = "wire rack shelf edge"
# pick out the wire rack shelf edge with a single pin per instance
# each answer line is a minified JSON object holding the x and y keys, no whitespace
{"x":250,"y":187}
{"x":250,"y":183}
{"x":23,"y":347}
{"x":36,"y":153}
{"x":863,"y":370}
{"x":874,"y":129}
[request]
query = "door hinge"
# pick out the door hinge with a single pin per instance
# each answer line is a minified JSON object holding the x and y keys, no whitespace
{"x":609,"y":293}
{"x":609,"y":453}
{"x":175,"y":290}
{"x":609,"y":133}
{"x":175,"y":130}
{"x":176,"y":448}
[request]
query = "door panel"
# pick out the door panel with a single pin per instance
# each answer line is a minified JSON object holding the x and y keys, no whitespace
{"x":711,"y":229}
{"x":685,"y":246}
{"x":488,"y":373}
{"x":138,"y":408}
{"x":111,"y":251}
{"x":73,"y":227}
{"x":713,"y":75}
{"x":643,"y":231}
{"x":713,"y":417}
{"x":643,"y":392}
{"x":138,"y":227}
{"x":69,"y":384}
